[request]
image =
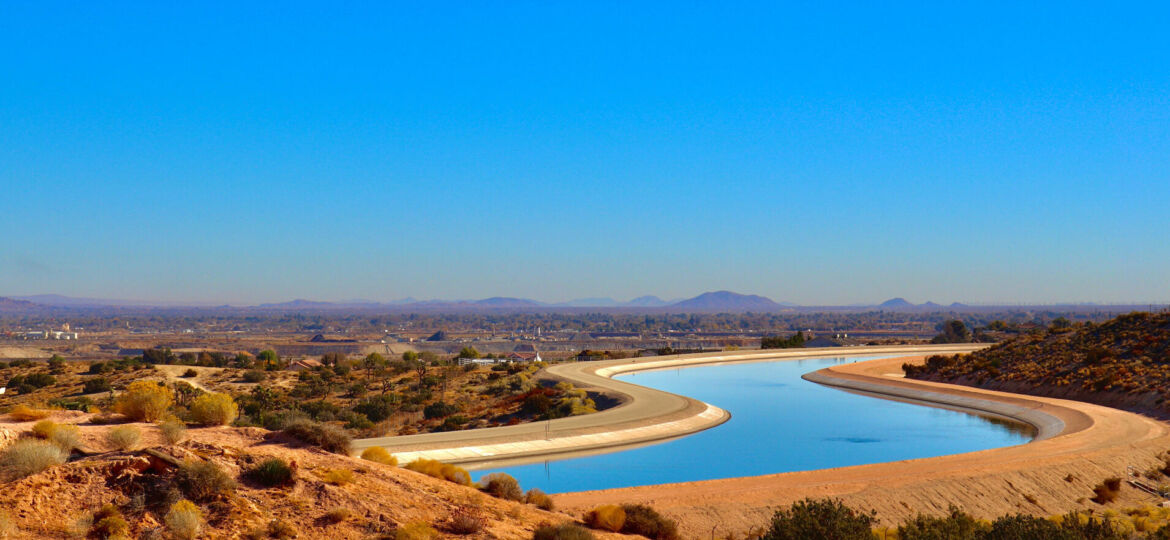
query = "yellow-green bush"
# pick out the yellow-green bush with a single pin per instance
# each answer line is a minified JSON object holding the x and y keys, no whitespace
{"x":440,"y":470}
{"x":538,"y":499}
{"x":173,"y":430}
{"x":377,"y":454}
{"x":338,"y":477}
{"x":65,"y":436}
{"x":607,"y":517}
{"x":214,"y":410}
{"x":144,"y":401}
{"x":501,"y":485}
{"x":184,"y":520}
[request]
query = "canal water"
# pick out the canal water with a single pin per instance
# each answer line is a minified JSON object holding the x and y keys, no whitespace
{"x":779,"y":423}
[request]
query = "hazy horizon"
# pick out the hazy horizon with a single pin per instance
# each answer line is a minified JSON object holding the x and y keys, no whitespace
{"x":815,"y":154}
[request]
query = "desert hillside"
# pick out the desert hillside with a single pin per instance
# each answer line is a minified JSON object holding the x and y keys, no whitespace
{"x":1123,"y":362}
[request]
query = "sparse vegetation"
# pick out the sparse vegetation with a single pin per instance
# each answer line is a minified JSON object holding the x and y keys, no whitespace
{"x":417,"y":530}
{"x":24,"y":413}
{"x":566,"y":531}
{"x":184,"y":520}
{"x":326,"y":436}
{"x":1107,"y":491}
{"x":463,"y":522}
{"x":65,"y":436}
{"x":823,"y":518}
{"x":203,"y":481}
{"x":173,"y":430}
{"x":109,"y":523}
{"x":607,"y":517}
{"x":28,"y":456}
{"x":145,"y":401}
{"x":440,"y":470}
{"x":338,"y":477}
{"x":338,"y":515}
{"x":501,"y":485}
{"x":214,"y":410}
{"x":646,"y":521}
{"x":273,"y":472}
{"x":124,"y":437}
{"x":538,"y":499}
{"x":377,"y":454}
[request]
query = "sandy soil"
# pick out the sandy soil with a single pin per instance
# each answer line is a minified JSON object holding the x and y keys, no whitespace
{"x":1043,"y":478}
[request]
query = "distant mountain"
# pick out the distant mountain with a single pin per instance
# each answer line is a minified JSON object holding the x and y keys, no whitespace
{"x":930,"y":305}
{"x":958,"y":305}
{"x":7,"y":303}
{"x":647,"y":301}
{"x":503,"y":301}
{"x":896,"y":303}
{"x":727,"y":301}
{"x":57,"y":300}
{"x":300,"y":304}
{"x":589,"y":302}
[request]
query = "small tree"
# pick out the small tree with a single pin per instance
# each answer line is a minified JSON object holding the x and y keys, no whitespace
{"x":144,"y":401}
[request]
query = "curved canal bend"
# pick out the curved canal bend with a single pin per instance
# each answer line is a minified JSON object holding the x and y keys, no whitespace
{"x":646,"y":415}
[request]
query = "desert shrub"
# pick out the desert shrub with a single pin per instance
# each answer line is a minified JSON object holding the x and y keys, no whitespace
{"x":108,"y":522}
{"x":567,"y":531}
{"x":607,"y":517}
{"x":190,"y":373}
{"x":328,"y":437}
{"x":1107,"y":491}
{"x":338,"y":477}
{"x":95,"y":385}
{"x":144,"y":401}
{"x":646,"y":521}
{"x":214,"y":410}
{"x":24,"y":413}
{"x":439,"y":409}
{"x":40,"y":380}
{"x":279,"y":528}
{"x":184,"y":520}
{"x":173,"y":430}
{"x":337,"y":515}
{"x":273,"y":472}
{"x":254,"y":376}
{"x":440,"y":470}
{"x":1091,"y":528}
{"x":29,"y":456}
{"x":501,"y":485}
{"x":538,"y":499}
{"x":416,"y":531}
{"x":819,"y":518}
{"x":463,"y":522}
{"x":1023,"y":527}
{"x":956,"y":525}
{"x":124,"y":437}
{"x":377,"y":454}
{"x":66,"y":437}
{"x":203,"y":481}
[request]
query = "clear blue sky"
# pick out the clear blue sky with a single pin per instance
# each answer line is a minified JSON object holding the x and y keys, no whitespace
{"x":819,"y":154}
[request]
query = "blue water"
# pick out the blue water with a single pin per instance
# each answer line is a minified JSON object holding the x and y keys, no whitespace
{"x":779,"y":423}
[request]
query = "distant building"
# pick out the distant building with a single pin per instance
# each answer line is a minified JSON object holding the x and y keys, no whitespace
{"x":306,"y":364}
{"x":523,"y":357}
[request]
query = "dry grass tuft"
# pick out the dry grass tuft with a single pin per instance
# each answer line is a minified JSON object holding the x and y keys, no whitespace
{"x":124,"y":438}
{"x":377,"y":454}
{"x":24,"y":413}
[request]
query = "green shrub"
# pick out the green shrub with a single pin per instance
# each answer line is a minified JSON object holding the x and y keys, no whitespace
{"x":184,"y":520}
{"x":273,"y":472}
{"x":823,"y":518}
{"x":173,"y":430}
{"x":646,"y":521}
{"x":95,"y":385}
{"x":956,"y":525}
{"x":254,"y":376}
{"x":190,"y":373}
{"x":439,"y":409}
{"x":1022,"y":527}
{"x":214,"y":410}
{"x":567,"y":531}
{"x":328,"y":437}
{"x":124,"y":437}
{"x":29,"y":456}
{"x":607,"y":517}
{"x":538,"y":499}
{"x":203,"y":481}
{"x":377,"y":454}
{"x":502,"y":486}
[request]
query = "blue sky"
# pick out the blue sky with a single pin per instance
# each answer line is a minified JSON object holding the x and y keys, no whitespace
{"x":980,"y":152}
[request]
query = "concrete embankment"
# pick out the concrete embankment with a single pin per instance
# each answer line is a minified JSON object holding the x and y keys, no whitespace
{"x":644,"y":415}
